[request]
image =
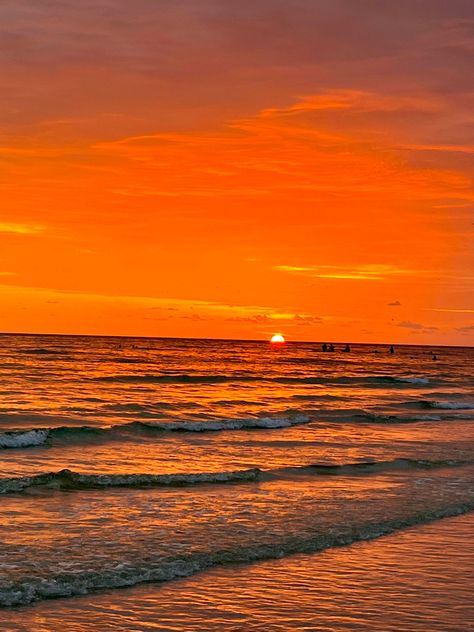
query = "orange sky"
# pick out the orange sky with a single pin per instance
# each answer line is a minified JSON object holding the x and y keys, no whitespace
{"x":232,"y":169}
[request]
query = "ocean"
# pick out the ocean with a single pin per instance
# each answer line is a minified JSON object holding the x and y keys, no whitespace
{"x":171,"y":484}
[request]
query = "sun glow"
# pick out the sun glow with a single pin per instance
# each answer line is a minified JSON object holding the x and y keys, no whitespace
{"x":277,"y":339}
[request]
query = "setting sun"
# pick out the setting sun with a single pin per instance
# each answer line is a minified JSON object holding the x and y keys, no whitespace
{"x":277,"y":339}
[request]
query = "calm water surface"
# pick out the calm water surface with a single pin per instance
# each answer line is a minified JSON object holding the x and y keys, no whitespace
{"x":126,"y":461}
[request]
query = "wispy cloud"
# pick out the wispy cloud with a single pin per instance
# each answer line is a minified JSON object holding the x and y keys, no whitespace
{"x":408,"y":324}
{"x":356,"y":100}
{"x":462,"y":149}
{"x":195,"y":309}
{"x":303,"y":147}
{"x":21,"y":229}
{"x":454,"y":311}
{"x":466,"y":329}
{"x":366,"y":272}
{"x":290,"y":320}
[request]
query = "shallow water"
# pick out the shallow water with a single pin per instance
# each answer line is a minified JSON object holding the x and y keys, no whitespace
{"x":124,"y":461}
{"x":419,"y":579}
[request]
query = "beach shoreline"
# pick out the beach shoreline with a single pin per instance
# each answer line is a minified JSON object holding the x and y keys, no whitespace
{"x":371,"y":585}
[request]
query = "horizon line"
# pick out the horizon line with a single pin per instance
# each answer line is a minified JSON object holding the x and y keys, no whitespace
{"x":128,"y":336}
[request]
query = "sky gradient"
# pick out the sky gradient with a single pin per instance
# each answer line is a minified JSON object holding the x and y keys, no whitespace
{"x":210,"y":168}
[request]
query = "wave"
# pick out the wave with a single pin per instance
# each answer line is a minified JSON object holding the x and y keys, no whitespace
{"x":45,"y":436}
{"x":151,"y":424}
{"x":174,"y":379}
{"x":449,"y":405}
{"x":217,"y":379}
{"x":355,"y":380}
{"x":41,"y":351}
{"x":371,"y":467}
{"x":27,"y":439}
{"x":376,"y":418}
{"x":69,"y":480}
{"x":227,"y":424}
{"x":157,"y":568}
{"x":438,"y":404}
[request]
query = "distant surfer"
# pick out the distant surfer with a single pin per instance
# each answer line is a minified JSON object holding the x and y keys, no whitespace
{"x":324,"y":347}
{"x":331,"y":347}
{"x":392,"y":350}
{"x":347,"y":349}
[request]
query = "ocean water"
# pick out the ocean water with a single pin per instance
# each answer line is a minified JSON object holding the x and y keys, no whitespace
{"x":125,"y":461}
{"x":416,"y":580}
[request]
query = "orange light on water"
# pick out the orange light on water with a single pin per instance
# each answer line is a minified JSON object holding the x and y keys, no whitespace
{"x":277,"y":339}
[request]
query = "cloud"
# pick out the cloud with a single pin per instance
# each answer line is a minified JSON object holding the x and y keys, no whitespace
{"x":167,"y":304}
{"x":308,"y":320}
{"x":367,"y":272}
{"x":21,"y":229}
{"x":289,"y":319}
{"x":454,"y":311}
{"x":462,"y":149}
{"x":465,"y":329}
{"x":356,"y":101}
{"x":408,"y":324}
{"x":304,"y":147}
{"x":394,"y":304}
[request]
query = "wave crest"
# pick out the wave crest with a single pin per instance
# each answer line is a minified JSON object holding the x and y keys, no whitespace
{"x":185,"y":378}
{"x":24,"y":439}
{"x":66,"y":479}
{"x":159,"y":569}
{"x":43,"y":436}
{"x":449,"y":405}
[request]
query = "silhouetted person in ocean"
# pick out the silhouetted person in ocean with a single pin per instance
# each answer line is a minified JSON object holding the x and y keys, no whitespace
{"x":331,"y":347}
{"x":435,"y":357}
{"x":392,"y":350}
{"x":325,"y":347}
{"x":347,"y":349}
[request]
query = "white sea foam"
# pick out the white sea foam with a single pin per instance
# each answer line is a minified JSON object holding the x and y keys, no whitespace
{"x":230,"y":424}
{"x":23,"y":439}
{"x":413,"y":380}
{"x":66,"y":479}
{"x":386,"y":418}
{"x":452,"y":405}
{"x":425,"y":418}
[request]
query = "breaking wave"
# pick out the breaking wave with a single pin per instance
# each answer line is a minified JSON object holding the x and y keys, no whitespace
{"x":69,"y":480}
{"x":66,"y":480}
{"x":27,"y":439}
{"x":151,"y":423}
{"x":377,"y":418}
{"x":157,"y":568}
{"x":449,"y":405}
{"x":44,"y":436}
